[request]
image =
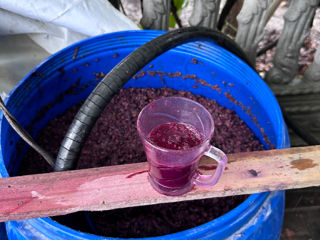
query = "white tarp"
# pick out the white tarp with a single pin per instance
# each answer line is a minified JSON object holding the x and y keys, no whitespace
{"x":56,"y":24}
{"x":52,"y":25}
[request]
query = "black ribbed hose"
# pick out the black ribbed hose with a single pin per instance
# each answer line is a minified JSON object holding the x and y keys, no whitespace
{"x":90,"y":111}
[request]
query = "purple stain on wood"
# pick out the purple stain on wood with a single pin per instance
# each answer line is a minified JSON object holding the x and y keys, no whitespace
{"x":20,"y":205}
{"x":136,"y":173}
{"x":207,"y":168}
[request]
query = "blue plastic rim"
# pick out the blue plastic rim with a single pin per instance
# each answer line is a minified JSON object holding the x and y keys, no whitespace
{"x":67,"y":77}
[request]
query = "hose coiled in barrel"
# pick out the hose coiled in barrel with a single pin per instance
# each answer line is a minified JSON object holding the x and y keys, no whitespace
{"x":91,"y":109}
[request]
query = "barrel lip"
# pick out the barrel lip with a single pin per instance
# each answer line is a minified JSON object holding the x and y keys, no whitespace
{"x":131,"y":39}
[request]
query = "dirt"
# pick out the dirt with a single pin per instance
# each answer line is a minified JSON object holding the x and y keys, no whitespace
{"x":265,"y":62}
{"x":114,"y":140}
{"x":303,"y":164}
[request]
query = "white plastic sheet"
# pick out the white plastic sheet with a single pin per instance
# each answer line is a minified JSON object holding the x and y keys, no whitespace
{"x":51,"y":24}
{"x":56,"y":24}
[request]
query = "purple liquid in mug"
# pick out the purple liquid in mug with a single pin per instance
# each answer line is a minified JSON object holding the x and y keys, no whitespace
{"x":174,"y":136}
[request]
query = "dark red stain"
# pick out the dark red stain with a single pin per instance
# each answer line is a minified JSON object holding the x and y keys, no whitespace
{"x":202,"y":82}
{"x":162,"y":74}
{"x":247,"y":110}
{"x":99,"y":75}
{"x":194,"y":188}
{"x":75,"y":53}
{"x":194,"y":60}
{"x":136,"y":173}
{"x":152,"y":106}
{"x":61,"y":70}
{"x":209,"y":167}
{"x":140,"y":74}
{"x":178,"y":74}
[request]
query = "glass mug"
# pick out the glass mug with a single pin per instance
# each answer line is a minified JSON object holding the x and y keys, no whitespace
{"x":173,"y":169}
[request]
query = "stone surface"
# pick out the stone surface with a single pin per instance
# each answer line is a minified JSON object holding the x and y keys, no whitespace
{"x":312,"y":74}
{"x":205,"y":13}
{"x":156,"y":14}
{"x":297,"y":26}
{"x":251,"y":22}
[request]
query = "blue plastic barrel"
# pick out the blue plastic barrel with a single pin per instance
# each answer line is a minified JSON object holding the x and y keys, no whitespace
{"x":66,"y":78}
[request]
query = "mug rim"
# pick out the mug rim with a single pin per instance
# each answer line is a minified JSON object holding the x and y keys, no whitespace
{"x":205,"y":141}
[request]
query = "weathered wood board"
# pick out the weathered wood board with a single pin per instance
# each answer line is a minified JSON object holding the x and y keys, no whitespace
{"x":122,"y":186}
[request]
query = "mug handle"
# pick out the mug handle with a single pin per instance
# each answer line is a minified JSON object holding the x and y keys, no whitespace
{"x":210,"y":180}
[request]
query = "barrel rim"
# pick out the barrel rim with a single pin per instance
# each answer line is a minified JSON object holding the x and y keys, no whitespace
{"x":252,"y":200}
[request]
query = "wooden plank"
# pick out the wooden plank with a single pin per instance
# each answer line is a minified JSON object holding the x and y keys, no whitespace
{"x":123,"y":186}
